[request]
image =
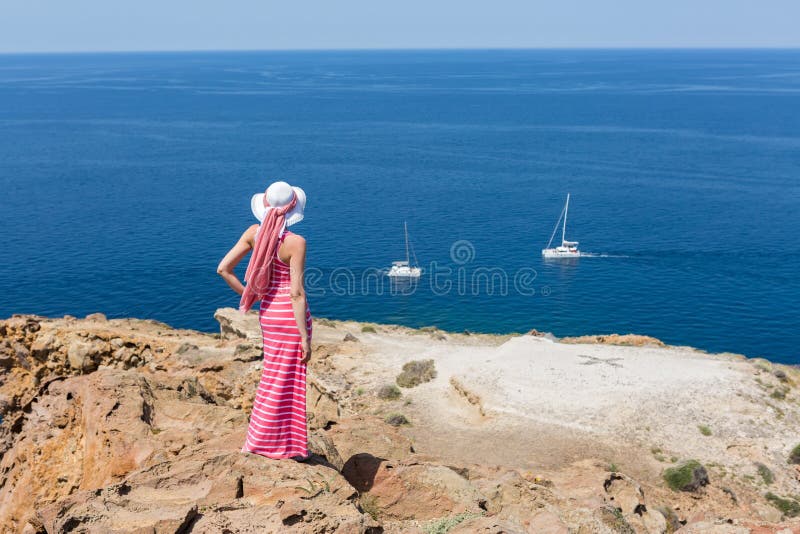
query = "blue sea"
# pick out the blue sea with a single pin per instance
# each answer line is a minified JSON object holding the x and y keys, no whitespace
{"x":126,"y":177}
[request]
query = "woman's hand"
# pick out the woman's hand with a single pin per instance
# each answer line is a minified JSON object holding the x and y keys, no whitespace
{"x":305,"y":347}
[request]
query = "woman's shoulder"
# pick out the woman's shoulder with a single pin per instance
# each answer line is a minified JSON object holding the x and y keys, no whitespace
{"x":292,"y":238}
{"x":250,"y":234}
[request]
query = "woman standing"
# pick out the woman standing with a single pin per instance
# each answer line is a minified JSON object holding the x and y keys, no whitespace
{"x":274,"y":275}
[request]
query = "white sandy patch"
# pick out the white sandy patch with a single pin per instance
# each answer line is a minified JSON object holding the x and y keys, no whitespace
{"x":577,"y":385}
{"x":544,"y":402}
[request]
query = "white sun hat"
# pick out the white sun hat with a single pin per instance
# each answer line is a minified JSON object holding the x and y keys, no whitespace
{"x":279,"y":194}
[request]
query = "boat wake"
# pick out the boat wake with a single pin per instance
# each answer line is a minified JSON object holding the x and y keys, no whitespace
{"x":602,"y":255}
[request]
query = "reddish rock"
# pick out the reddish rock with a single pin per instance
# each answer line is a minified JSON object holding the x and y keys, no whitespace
{"x":412,"y":490}
{"x":365,"y":434}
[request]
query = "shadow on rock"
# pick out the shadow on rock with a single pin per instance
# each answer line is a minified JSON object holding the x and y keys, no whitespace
{"x":360,"y":470}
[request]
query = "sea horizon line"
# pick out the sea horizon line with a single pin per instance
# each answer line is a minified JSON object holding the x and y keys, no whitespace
{"x":406,"y":49}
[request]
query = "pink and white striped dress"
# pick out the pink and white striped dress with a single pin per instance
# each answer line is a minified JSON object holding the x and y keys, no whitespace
{"x":277,"y":426}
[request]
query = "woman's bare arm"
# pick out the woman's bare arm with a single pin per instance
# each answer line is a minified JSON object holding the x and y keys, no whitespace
{"x":297,"y":264}
{"x":234,"y":256}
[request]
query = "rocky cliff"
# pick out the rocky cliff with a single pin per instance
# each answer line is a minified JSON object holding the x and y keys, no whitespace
{"x":132,"y":426}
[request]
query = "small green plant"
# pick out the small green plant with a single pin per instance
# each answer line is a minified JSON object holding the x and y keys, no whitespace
{"x":369,"y":505}
{"x":688,"y":476}
{"x":794,"y":456}
{"x":612,"y":468}
{"x":389,"y":392}
{"x":704,"y":429}
{"x":613,"y":518}
{"x":415,"y":373}
{"x":789,"y":507}
{"x":397,"y":419}
{"x":312,"y":490}
{"x":658,"y":454}
{"x":763,"y":365}
{"x":368,"y":329}
{"x":779,"y":394}
{"x":445,"y":524}
{"x":765,"y":472}
{"x":359,"y":391}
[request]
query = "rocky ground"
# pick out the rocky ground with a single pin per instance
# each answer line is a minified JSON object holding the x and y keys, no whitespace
{"x":132,"y":426}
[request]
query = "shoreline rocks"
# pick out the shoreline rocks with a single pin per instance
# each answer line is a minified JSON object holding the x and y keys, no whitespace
{"x":126,"y":425}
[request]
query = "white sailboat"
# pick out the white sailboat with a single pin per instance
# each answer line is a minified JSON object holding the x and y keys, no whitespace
{"x":404,"y":269}
{"x":568,"y":249}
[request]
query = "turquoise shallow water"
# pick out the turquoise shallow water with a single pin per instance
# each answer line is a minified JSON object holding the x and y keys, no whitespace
{"x":126,"y":177}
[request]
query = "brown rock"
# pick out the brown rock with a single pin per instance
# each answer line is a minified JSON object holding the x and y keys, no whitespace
{"x":515,"y":499}
{"x":183,"y":495}
{"x":247,"y":352}
{"x":321,"y":405}
{"x":87,"y":431}
{"x":546,"y":521}
{"x":626,"y":495}
{"x":615,"y":339}
{"x":491,"y":525}
{"x":323,"y":446}
{"x":235,"y":325}
{"x":45,"y":344}
{"x":420,"y":491}
{"x":371,"y":435}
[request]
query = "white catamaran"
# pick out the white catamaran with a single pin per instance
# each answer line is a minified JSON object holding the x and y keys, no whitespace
{"x":404,"y":269}
{"x":568,"y":249}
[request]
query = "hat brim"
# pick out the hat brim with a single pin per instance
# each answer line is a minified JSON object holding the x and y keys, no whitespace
{"x":293,"y":217}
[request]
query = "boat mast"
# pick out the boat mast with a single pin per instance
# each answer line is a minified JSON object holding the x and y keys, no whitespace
{"x":405,"y":227}
{"x":564,"y":228}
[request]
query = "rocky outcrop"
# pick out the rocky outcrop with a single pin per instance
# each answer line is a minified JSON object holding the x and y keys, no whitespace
{"x":214,"y":492}
{"x":234,"y":325}
{"x":131,"y":426}
{"x":148,"y":436}
{"x":627,"y":500}
{"x":633,"y":340}
{"x":363,"y":433}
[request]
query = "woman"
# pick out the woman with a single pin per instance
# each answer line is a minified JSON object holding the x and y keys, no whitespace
{"x":274,"y":275}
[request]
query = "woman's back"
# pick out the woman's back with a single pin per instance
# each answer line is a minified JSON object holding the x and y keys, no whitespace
{"x":281,"y":278}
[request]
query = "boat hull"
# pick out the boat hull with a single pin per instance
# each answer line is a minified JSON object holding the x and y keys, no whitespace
{"x":405,"y":272}
{"x":557,"y":253}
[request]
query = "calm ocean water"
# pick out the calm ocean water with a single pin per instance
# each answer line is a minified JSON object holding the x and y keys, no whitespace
{"x":126,"y":177}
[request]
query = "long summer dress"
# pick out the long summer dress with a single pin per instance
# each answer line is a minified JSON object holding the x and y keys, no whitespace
{"x":277,"y":426}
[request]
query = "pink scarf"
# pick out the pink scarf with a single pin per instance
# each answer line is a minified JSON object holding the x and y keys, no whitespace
{"x":259,"y":270}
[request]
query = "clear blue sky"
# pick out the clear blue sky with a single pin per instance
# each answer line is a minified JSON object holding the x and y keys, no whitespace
{"x":94,"y":25}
